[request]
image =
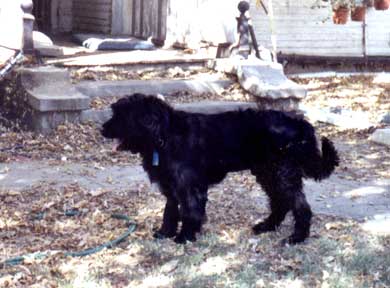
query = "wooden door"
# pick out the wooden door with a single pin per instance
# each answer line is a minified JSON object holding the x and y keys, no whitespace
{"x":140,"y":18}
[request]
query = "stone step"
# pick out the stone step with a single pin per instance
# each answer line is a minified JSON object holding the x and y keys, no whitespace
{"x":48,"y":98}
{"x":49,"y":90}
{"x":164,"y":87}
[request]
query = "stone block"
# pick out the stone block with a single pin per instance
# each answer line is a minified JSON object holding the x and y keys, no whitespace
{"x":343,"y":118}
{"x":385,"y":118}
{"x":95,"y":116}
{"x":265,"y":81}
{"x":153,"y":87}
{"x":381,"y":136}
{"x":45,"y":122}
{"x":50,"y":89}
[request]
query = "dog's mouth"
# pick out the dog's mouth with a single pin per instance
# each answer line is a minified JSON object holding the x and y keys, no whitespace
{"x":118,"y":145}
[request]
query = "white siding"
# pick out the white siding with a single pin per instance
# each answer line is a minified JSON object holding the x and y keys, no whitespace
{"x":192,"y":21}
{"x":306,"y":28}
{"x":378,"y":32}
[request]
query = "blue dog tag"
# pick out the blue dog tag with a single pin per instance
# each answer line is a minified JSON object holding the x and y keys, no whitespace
{"x":156,"y":159}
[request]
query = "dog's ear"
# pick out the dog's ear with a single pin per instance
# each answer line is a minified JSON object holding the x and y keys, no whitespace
{"x":157,"y":119}
{"x":119,"y":105}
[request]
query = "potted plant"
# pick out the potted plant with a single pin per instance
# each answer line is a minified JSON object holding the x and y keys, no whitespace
{"x":382,"y":4}
{"x":368,"y":3}
{"x":340,"y":11}
{"x":358,"y":11}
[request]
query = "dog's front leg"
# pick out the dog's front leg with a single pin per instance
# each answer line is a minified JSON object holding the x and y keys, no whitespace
{"x":193,"y":211}
{"x":170,"y":220}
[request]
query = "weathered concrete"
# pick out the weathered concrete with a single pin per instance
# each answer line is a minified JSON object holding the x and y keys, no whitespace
{"x":50,"y":89}
{"x":165,"y":87}
{"x":40,"y":99}
{"x":345,"y":119}
{"x":95,"y":116}
{"x":381,"y":136}
{"x":265,"y":80}
{"x":16,"y":176}
{"x":47,"y":98}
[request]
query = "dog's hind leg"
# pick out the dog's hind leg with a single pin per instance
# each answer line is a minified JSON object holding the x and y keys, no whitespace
{"x":170,"y":220}
{"x":282,"y":182}
{"x":302,"y":215}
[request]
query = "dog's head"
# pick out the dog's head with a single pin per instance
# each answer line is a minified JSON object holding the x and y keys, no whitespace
{"x":138,"y":123}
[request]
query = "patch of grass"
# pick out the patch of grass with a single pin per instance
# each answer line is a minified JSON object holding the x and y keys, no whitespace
{"x":246,"y":278}
{"x":370,"y":262}
{"x":198,"y":282}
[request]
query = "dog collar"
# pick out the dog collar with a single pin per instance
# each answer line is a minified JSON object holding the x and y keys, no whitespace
{"x":156,"y":159}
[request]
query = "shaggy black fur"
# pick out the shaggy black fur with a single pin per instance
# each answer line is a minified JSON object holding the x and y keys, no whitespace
{"x":186,"y":152}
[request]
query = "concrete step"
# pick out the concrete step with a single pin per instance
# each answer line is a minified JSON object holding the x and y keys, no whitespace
{"x":164,"y":87}
{"x":49,"y":89}
{"x":51,"y":99}
{"x":47,"y":97}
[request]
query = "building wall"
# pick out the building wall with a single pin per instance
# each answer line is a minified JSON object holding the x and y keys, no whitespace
{"x":61,"y":16}
{"x":306,"y":28}
{"x":92,"y":15}
{"x":378,"y":32}
{"x":301,"y":27}
{"x":192,"y":21}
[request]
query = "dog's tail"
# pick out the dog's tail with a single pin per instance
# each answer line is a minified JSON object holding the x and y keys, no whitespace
{"x":319,"y":166}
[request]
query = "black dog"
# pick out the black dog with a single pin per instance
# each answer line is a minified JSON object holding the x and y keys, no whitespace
{"x":186,"y":152}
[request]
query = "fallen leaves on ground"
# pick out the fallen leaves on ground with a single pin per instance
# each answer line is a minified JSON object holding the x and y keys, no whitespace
{"x":226,"y":254}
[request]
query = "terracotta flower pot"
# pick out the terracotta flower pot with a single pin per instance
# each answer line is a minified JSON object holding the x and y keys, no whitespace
{"x":382,"y":4}
{"x":340,"y":15}
{"x":358,"y":13}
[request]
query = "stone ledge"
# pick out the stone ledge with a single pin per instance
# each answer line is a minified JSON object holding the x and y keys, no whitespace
{"x":264,"y":80}
{"x":49,"y":90}
{"x":165,"y":87}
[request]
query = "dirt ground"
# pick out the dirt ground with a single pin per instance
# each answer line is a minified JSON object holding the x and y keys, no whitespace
{"x":74,"y":169}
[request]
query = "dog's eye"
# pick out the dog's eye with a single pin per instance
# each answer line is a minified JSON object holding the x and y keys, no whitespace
{"x":147,"y":121}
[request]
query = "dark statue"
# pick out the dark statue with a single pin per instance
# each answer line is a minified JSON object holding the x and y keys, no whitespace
{"x":245,"y":31}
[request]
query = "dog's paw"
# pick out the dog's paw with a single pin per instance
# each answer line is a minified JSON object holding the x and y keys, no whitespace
{"x":263,"y":227}
{"x":182,"y":238}
{"x":163,"y":234}
{"x":293,"y":240}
